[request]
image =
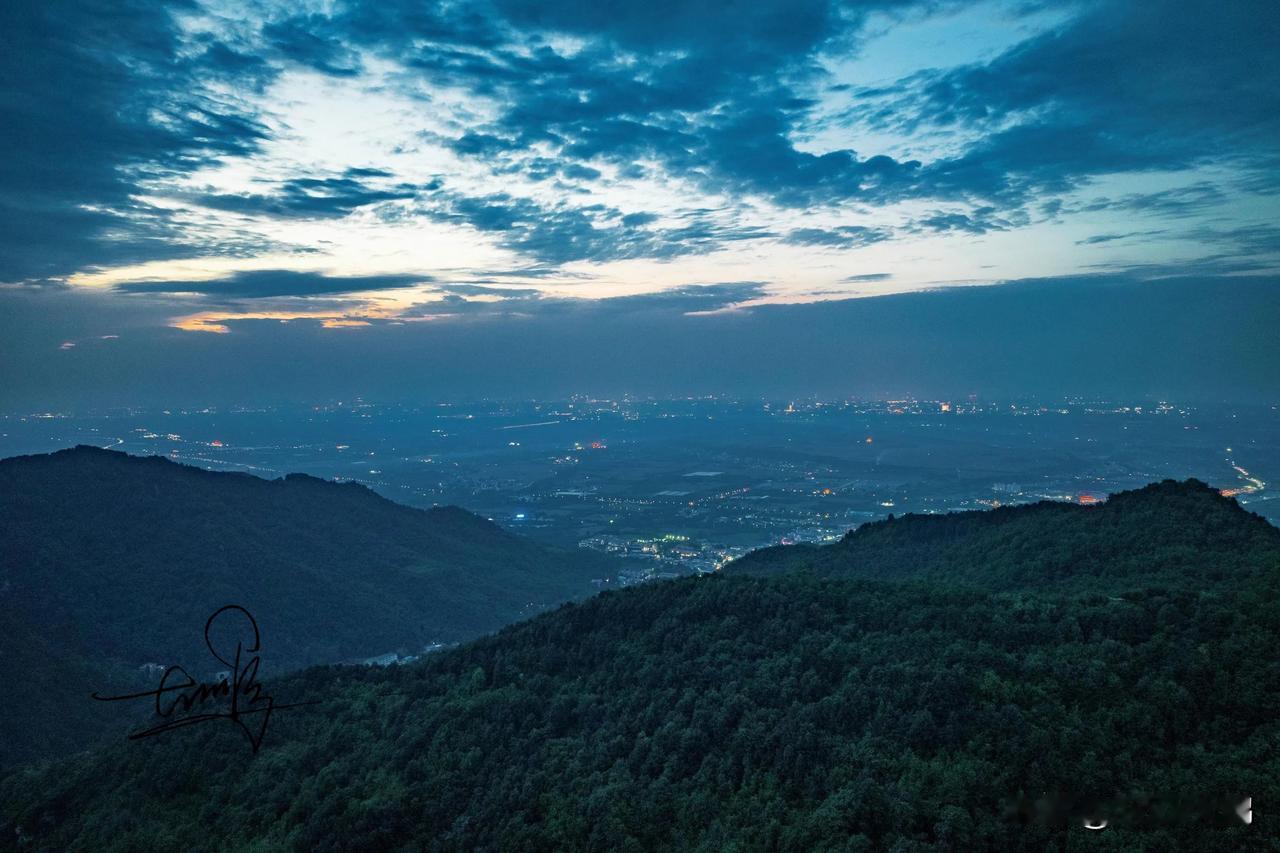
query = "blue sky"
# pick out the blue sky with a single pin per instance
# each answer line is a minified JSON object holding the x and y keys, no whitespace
{"x":353,"y":168}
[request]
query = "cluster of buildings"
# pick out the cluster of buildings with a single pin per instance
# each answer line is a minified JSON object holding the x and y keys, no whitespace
{"x":667,"y":555}
{"x":394,"y":658}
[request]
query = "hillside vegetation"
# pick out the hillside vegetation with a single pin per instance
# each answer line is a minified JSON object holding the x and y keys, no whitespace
{"x":109,"y":562}
{"x":805,"y":711}
{"x":1181,"y":533}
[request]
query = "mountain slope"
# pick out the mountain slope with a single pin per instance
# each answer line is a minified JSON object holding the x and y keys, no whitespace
{"x":739,"y":712}
{"x":1165,"y":531}
{"x":108,"y":562}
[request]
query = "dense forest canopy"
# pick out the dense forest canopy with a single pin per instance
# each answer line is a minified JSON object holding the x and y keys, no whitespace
{"x":1169,"y":533}
{"x":818,"y":709}
{"x":109,"y":562}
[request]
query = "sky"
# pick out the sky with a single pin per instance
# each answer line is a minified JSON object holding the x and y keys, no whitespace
{"x":249,"y":201}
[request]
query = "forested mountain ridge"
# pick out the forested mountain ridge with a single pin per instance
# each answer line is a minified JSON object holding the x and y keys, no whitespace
{"x":1168,"y":532}
{"x":109,"y":562}
{"x":740,"y":712}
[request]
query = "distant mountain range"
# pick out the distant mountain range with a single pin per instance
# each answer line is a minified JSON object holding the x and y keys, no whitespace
{"x":979,"y":681}
{"x":109,"y":562}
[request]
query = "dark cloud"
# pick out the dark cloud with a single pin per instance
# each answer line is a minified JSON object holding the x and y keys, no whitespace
{"x":459,"y":302}
{"x":484,"y":276}
{"x":752,"y":153}
{"x":1239,"y":249}
{"x":98,"y":98}
{"x":687,"y":299}
{"x":1098,"y":239}
{"x":1248,"y":240}
{"x":1261,"y":177}
{"x":703,"y":89}
{"x":580,"y":173}
{"x":1210,"y":265}
{"x":713,"y":97}
{"x":693,"y":298}
{"x":1158,"y":85}
{"x":1102,"y":238}
{"x":867,"y":277}
{"x":310,"y":197}
{"x":978,"y":221}
{"x":1173,"y":203}
{"x":106,"y":97}
{"x":740,"y":34}
{"x":842,"y":236}
{"x":1222,"y":251}
{"x":564,"y":233}
{"x":268,"y":283}
{"x":455,"y":305}
{"x":635,"y":220}
{"x":303,"y":40}
{"x":238,"y":65}
{"x":481,"y":290}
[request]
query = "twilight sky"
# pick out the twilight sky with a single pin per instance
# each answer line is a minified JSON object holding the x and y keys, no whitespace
{"x":436,"y":198}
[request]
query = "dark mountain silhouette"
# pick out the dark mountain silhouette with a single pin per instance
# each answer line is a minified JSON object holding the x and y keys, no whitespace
{"x":109,"y":562}
{"x":972,"y":706}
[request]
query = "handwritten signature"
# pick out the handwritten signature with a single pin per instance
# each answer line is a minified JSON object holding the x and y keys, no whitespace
{"x":180,"y":700}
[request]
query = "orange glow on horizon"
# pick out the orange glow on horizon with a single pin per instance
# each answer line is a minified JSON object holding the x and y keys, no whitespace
{"x":216,"y":321}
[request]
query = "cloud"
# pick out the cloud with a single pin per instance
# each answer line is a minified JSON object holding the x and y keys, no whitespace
{"x":563,"y":233}
{"x":685,"y":299}
{"x":1123,"y":86}
{"x":540,"y":271}
{"x":99,"y":99}
{"x":978,"y":221}
{"x":310,"y":197}
{"x":842,"y":236}
{"x":473,"y":300}
{"x":1173,"y":203}
{"x":588,"y":133}
{"x":481,"y":290}
{"x":1038,"y":119}
{"x":303,"y":40}
{"x":270,"y":283}
{"x":703,"y":90}
{"x":867,"y":277}
{"x":1098,"y":239}
{"x":1100,"y":94}
{"x":1240,"y":249}
{"x":1248,"y":240}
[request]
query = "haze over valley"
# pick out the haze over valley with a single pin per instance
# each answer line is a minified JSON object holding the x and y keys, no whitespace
{"x":684,"y":485}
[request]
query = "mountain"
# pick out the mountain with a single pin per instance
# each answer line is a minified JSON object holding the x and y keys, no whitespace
{"x":807,"y":711}
{"x":1169,"y":532}
{"x":109,"y":562}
